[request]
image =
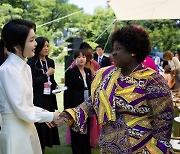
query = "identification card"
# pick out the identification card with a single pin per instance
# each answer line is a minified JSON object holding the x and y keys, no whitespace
{"x":47,"y":88}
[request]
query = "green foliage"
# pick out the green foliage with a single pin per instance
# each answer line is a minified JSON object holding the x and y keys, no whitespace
{"x":163,"y":33}
{"x":97,"y":24}
{"x":7,"y":12}
{"x":57,"y":54}
{"x":55,"y":51}
{"x":95,"y":29}
{"x":61,"y":57}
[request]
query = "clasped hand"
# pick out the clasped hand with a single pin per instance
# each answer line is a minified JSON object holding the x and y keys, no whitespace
{"x":60,"y":118}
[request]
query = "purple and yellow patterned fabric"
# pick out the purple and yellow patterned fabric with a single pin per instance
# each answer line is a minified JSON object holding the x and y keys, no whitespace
{"x":136,"y":111}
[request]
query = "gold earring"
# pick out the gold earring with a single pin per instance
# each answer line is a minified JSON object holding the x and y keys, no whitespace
{"x":132,"y":54}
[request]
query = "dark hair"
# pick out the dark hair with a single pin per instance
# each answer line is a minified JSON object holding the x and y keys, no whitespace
{"x":85,"y":45}
{"x":134,"y":39}
{"x":2,"y":54}
{"x":40,"y":44}
{"x":165,"y":63}
{"x":99,"y":46}
{"x":77,"y":53}
{"x":14,"y":33}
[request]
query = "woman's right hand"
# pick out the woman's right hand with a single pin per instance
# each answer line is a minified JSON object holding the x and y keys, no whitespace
{"x":59,"y":119}
{"x":50,"y":71}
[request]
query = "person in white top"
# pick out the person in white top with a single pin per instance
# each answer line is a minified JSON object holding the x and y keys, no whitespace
{"x":18,"y":134}
{"x":174,"y":64}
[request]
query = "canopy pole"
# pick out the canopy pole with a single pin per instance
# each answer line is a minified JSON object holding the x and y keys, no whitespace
{"x":108,"y":38}
{"x":104,"y":30}
{"x":59,"y":19}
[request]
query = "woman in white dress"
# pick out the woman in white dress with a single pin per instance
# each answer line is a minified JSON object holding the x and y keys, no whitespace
{"x":18,"y":134}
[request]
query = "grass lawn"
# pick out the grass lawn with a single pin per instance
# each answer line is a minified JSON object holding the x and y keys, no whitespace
{"x":63,"y":148}
{"x":66,"y":149}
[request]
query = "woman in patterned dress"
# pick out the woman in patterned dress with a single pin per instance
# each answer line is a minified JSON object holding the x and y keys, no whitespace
{"x":131,"y":101}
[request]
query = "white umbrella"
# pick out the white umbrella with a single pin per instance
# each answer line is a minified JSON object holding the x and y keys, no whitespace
{"x":145,"y":9}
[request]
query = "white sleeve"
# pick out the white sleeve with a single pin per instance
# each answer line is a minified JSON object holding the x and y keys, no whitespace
{"x":176,"y":63}
{"x":19,"y":94}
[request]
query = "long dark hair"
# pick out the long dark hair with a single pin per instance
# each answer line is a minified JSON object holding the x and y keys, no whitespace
{"x":40,"y":44}
{"x":14,"y":33}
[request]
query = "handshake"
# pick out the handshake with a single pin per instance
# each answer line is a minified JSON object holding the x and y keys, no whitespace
{"x":59,"y":119}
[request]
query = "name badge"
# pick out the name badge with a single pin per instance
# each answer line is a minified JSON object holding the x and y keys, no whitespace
{"x":47,"y":88}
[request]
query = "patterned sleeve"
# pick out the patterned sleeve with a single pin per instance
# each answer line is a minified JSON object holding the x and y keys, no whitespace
{"x":80,"y":115}
{"x":160,"y":101}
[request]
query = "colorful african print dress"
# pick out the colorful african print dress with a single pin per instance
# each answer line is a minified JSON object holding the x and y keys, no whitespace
{"x":136,"y":112}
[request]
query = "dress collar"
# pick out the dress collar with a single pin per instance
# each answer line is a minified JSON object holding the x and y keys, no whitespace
{"x":17,"y":61}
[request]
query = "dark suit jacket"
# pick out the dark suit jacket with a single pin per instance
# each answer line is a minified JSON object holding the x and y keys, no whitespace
{"x":74,"y":95}
{"x":39,"y":79}
{"x":104,"y":62}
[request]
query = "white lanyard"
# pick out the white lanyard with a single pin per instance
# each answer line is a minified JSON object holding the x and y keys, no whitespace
{"x":43,"y":68}
{"x":84,"y":79}
{"x":86,"y":91}
{"x":47,"y":85}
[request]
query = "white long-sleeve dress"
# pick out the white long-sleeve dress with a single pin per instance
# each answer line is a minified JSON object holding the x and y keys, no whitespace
{"x":18,"y":134}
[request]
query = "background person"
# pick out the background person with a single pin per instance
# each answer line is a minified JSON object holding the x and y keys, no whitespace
{"x":42,"y":68}
{"x":101,"y":58}
{"x":174,"y":64}
{"x":167,"y":74}
{"x":149,"y":62}
{"x":78,"y":81}
{"x":18,"y":133}
{"x":93,"y":66}
{"x":90,"y":62}
{"x":133,"y":102}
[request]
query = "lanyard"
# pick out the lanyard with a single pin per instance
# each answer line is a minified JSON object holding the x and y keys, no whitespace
{"x":43,"y":68}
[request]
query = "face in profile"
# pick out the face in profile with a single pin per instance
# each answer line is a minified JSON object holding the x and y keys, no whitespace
{"x":121,"y":56}
{"x":30,"y":44}
{"x":45,"y":50}
{"x":80,"y":60}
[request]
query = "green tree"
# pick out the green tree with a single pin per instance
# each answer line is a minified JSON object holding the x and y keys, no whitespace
{"x":7,"y":12}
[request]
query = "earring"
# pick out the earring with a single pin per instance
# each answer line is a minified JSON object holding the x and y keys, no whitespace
{"x":132,"y":54}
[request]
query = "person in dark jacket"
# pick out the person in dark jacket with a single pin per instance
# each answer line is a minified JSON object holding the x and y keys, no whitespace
{"x":101,"y":58}
{"x":42,"y":69}
{"x":78,"y":81}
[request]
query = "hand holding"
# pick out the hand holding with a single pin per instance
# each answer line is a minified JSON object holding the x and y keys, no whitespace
{"x":63,"y":118}
{"x":50,"y":71}
{"x":56,"y":117}
{"x":59,"y":118}
{"x":51,"y":124}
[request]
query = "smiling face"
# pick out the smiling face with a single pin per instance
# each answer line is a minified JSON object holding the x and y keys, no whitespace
{"x":30,"y":44}
{"x":121,"y":56}
{"x":45,"y":50}
{"x":80,"y":60}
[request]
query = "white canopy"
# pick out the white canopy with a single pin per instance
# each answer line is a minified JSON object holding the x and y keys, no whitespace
{"x":145,"y":9}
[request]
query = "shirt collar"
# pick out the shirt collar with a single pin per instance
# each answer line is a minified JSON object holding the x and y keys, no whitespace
{"x":101,"y":57}
{"x":17,"y":61}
